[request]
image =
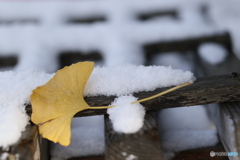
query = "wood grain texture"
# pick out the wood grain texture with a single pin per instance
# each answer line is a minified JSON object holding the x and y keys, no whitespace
{"x":8,"y":61}
{"x":226,"y":115}
{"x":201,"y":154}
{"x":143,"y":145}
{"x":229,"y":65}
{"x":228,"y":125}
{"x":193,"y":154}
{"x":187,"y":44}
{"x":88,"y":158}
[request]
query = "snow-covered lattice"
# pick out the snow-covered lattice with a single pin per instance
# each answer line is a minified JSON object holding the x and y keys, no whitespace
{"x":39,"y":30}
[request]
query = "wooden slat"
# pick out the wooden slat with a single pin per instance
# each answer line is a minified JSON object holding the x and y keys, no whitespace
{"x":67,"y":58}
{"x":215,"y":89}
{"x":153,"y":14}
{"x":8,"y":61}
{"x":88,"y":158}
{"x":143,"y":145}
{"x":201,"y":154}
{"x":228,"y":124}
{"x":226,"y":115}
{"x":229,"y":65}
{"x":193,"y":154}
{"x":28,"y":147}
{"x":187,"y":44}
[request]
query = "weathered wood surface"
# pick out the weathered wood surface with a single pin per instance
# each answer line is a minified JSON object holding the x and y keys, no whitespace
{"x":229,"y":65}
{"x":153,"y":14}
{"x":88,"y":158}
{"x":188,"y":44}
{"x":26,"y":149}
{"x":67,"y":58}
{"x":226,"y":115}
{"x":89,"y":20}
{"x":201,"y":154}
{"x":215,"y":89}
{"x":228,"y":125}
{"x":8,"y":61}
{"x":193,"y":154}
{"x":145,"y":144}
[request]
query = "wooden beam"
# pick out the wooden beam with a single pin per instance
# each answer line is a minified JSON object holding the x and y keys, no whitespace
{"x":143,"y":145}
{"x":183,"y":45}
{"x":225,"y":115}
{"x":227,"y":120}
{"x":215,"y":89}
{"x":201,"y":153}
{"x":230,"y":64}
{"x":88,"y":158}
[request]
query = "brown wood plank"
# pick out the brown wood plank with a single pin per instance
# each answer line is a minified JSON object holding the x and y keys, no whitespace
{"x":8,"y":61}
{"x":143,"y":145}
{"x":88,"y":158}
{"x":201,"y":154}
{"x":193,"y":154}
{"x":206,"y":90}
{"x":27,"y":148}
{"x":231,"y":64}
{"x":227,"y":120}
{"x":67,"y":58}
{"x":187,"y":44}
{"x":153,"y":14}
{"x":226,"y":116}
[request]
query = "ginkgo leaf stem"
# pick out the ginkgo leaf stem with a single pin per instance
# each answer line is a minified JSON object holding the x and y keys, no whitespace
{"x":101,"y":107}
{"x":162,"y":93}
{"x":148,"y":98}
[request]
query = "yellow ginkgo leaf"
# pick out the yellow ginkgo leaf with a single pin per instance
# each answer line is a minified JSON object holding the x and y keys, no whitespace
{"x":55,"y":103}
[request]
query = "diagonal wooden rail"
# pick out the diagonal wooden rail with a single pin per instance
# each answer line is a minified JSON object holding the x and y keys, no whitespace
{"x":215,"y":89}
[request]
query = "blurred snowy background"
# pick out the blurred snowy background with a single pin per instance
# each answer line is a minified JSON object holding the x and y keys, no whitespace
{"x":47,"y":35}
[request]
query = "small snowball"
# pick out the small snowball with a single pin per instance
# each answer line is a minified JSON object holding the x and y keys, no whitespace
{"x":212,"y":53}
{"x":126,"y":117}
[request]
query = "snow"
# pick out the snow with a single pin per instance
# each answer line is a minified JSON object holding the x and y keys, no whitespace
{"x":226,"y":15}
{"x":184,"y":118}
{"x":176,"y":60}
{"x":122,"y":35}
{"x":121,"y":80}
{"x":212,"y":53}
{"x":119,"y":43}
{"x":186,"y":128}
{"x":131,"y":157}
{"x":126,"y":117}
{"x":126,"y":79}
{"x":226,"y":129}
{"x":91,"y":141}
{"x":176,"y":141}
{"x":4,"y":156}
{"x":16,"y":89}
